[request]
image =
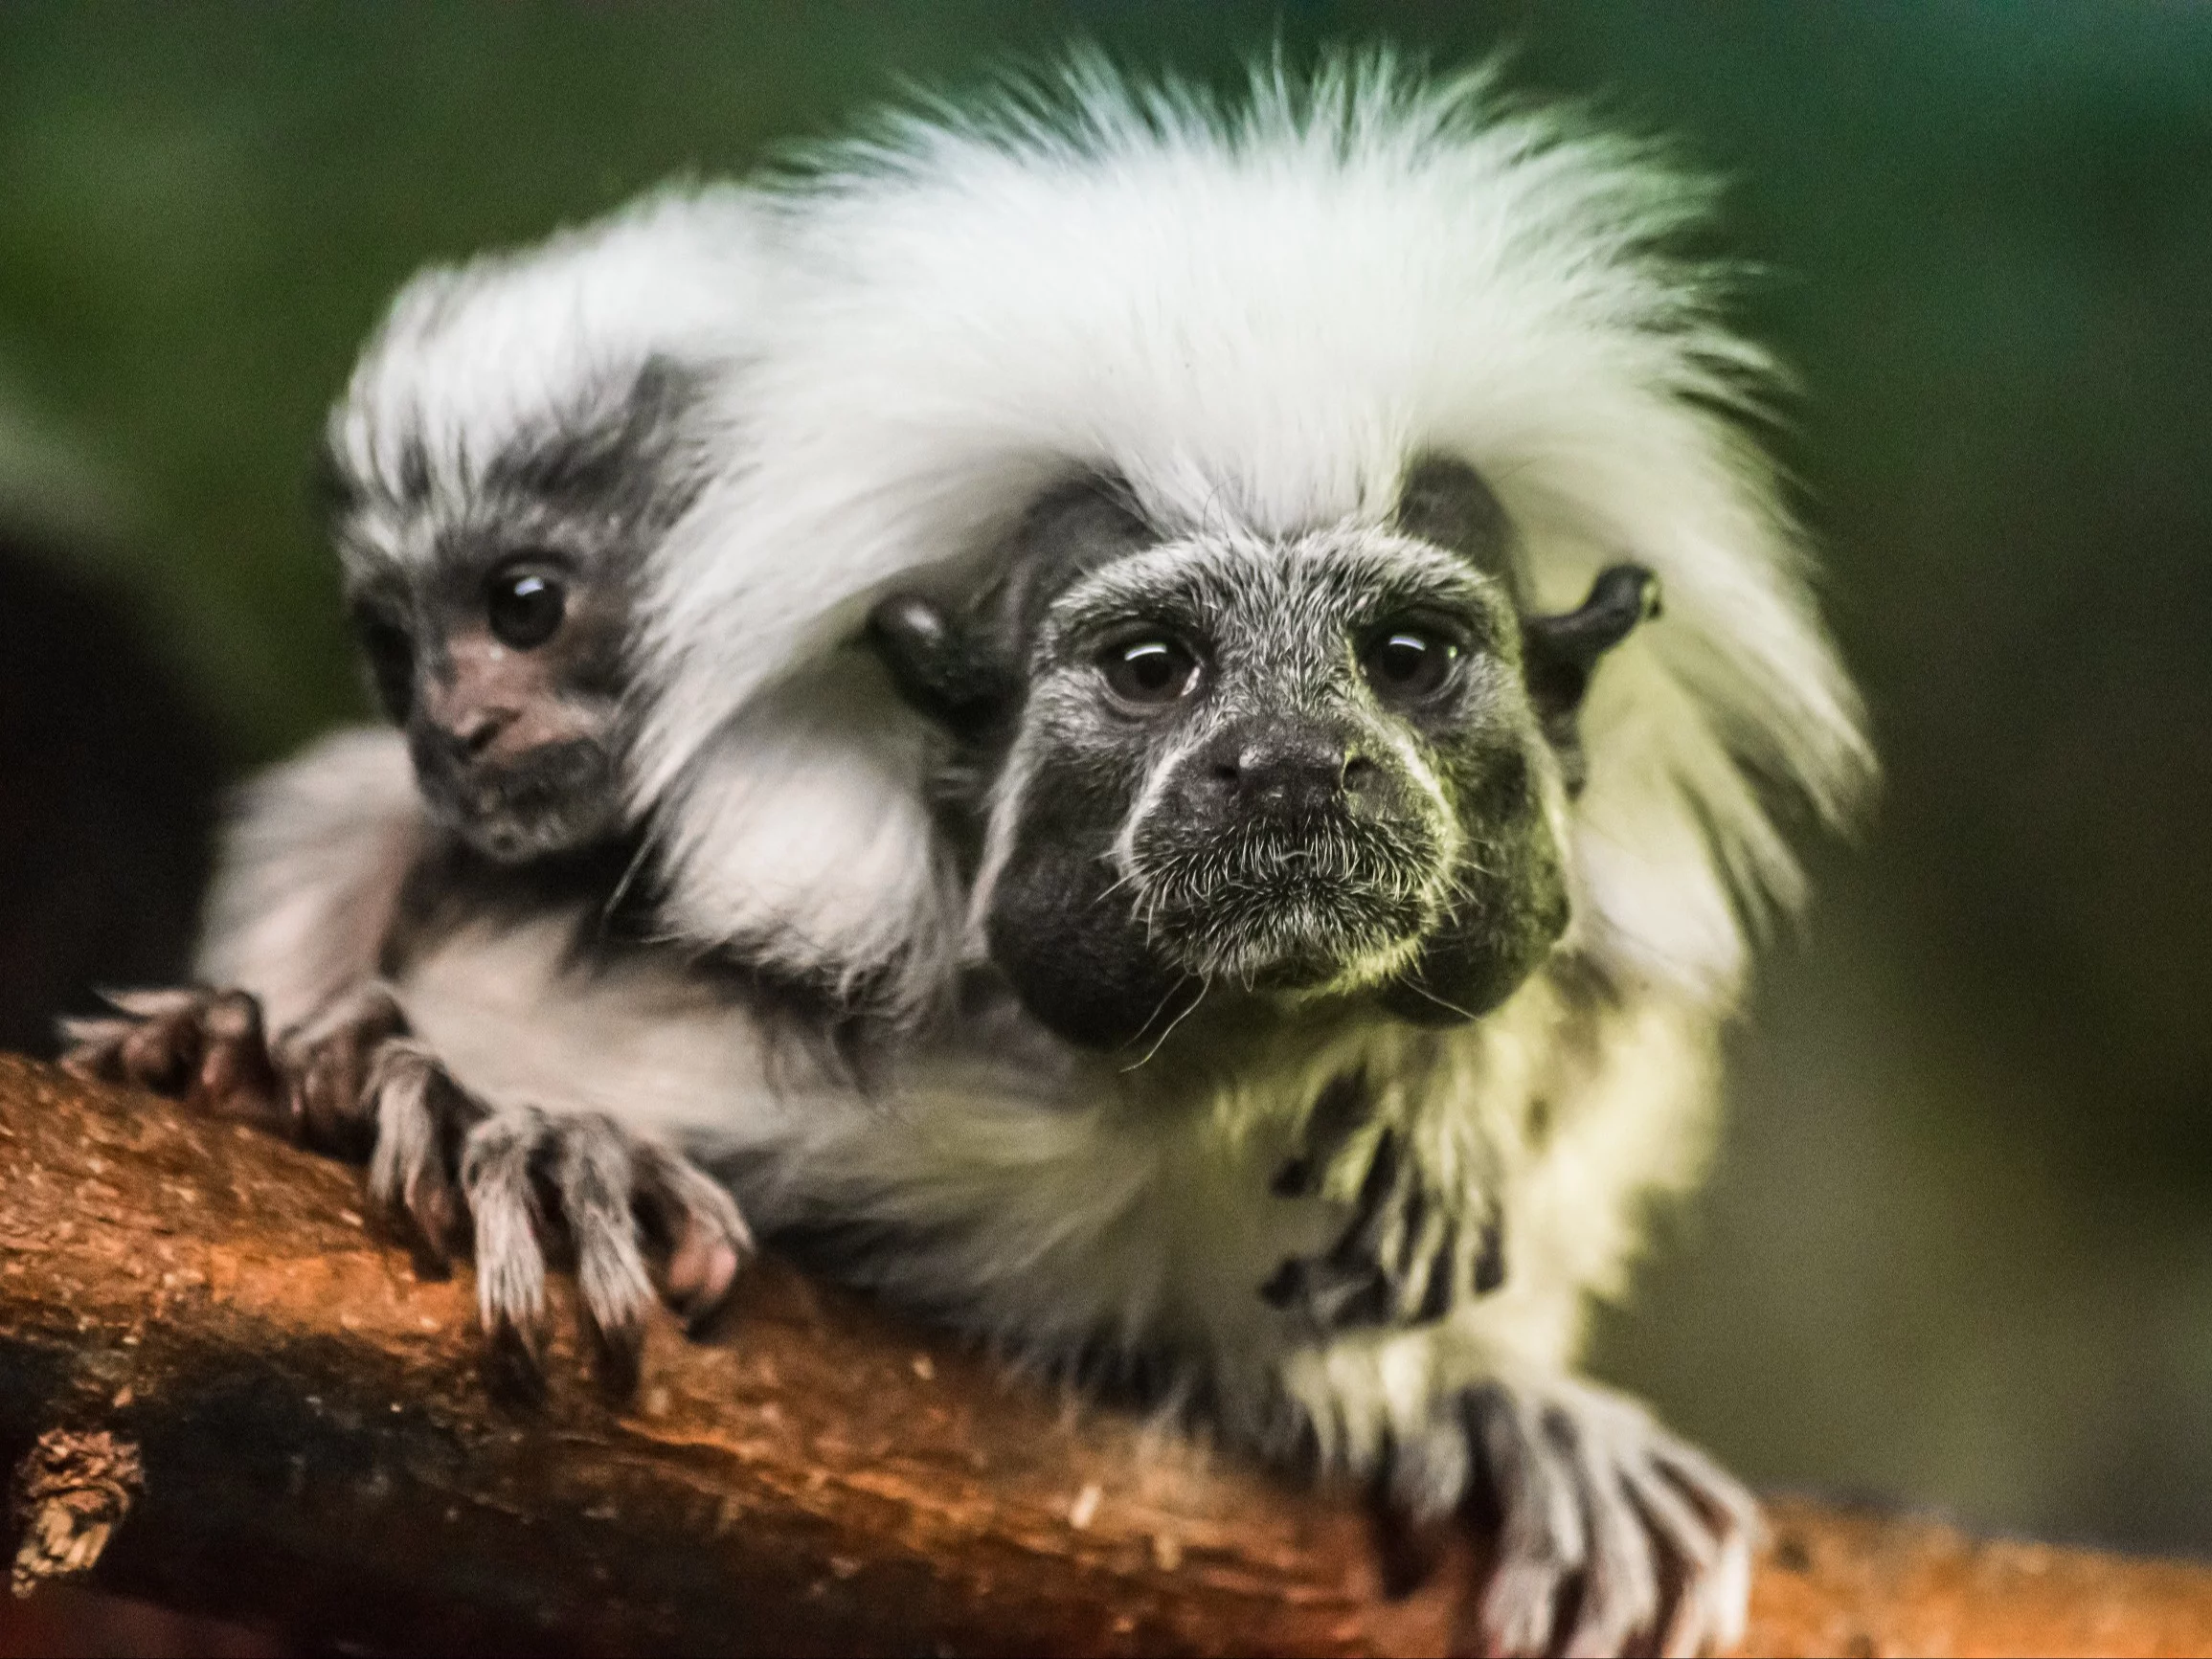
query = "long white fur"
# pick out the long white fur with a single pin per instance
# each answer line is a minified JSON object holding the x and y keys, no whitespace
{"x":470,"y":356}
{"x":1257,"y":314}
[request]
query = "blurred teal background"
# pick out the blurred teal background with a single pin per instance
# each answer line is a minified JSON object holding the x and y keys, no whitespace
{"x":1960,"y":1249}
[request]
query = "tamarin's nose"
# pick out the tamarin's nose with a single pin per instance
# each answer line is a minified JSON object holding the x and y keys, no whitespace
{"x":464,"y":730}
{"x":478,"y":729}
{"x":1277,"y":766}
{"x":465,"y":715}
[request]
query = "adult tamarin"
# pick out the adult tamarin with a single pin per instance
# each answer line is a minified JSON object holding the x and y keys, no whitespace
{"x":1342,"y":946}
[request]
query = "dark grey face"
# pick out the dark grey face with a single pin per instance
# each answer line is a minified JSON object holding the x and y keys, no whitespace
{"x":1283,"y":766}
{"x":495,"y":616}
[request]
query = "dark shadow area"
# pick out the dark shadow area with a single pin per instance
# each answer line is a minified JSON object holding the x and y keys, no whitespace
{"x":107,"y":811}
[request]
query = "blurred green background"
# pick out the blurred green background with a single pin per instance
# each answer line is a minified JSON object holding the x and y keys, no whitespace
{"x":1960,"y":1249}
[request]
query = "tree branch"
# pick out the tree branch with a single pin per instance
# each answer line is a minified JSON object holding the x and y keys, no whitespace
{"x":320,"y":1451}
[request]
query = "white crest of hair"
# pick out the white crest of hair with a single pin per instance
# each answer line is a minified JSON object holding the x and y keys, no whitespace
{"x":1258,"y":313}
{"x":470,"y":356}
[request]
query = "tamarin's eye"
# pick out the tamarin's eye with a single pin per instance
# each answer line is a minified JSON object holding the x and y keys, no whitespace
{"x":1404,"y":665}
{"x":525,"y":608}
{"x":1149,"y":671}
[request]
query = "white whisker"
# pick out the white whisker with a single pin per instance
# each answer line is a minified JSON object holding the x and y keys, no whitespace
{"x":1204,"y":987}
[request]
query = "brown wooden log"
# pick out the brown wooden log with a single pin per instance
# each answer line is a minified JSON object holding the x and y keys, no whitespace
{"x":319,"y":1451}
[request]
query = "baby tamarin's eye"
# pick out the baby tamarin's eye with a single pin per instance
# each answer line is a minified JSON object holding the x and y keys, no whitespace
{"x":525,"y":608}
{"x":1406,"y":662}
{"x":1149,"y":671}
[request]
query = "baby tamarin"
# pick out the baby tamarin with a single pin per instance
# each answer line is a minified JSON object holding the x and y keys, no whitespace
{"x":514,"y":441}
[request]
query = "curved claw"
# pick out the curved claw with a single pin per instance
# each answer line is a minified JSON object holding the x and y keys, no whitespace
{"x":327,"y":1061}
{"x":1621,"y":1584}
{"x":496,"y":1176}
{"x":595,"y":1177}
{"x":1542,"y":1542}
{"x":1716,"y":1553}
{"x":697,"y":1221}
{"x":204,"y":1048}
{"x":421,"y":1116}
{"x":527,"y":1177}
{"x":1611,"y":1534}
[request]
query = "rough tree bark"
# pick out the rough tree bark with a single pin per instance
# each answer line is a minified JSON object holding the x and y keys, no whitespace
{"x":209,"y":1358}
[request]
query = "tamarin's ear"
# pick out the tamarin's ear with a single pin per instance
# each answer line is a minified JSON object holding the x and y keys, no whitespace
{"x":1558,"y":653}
{"x":945,"y":670}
